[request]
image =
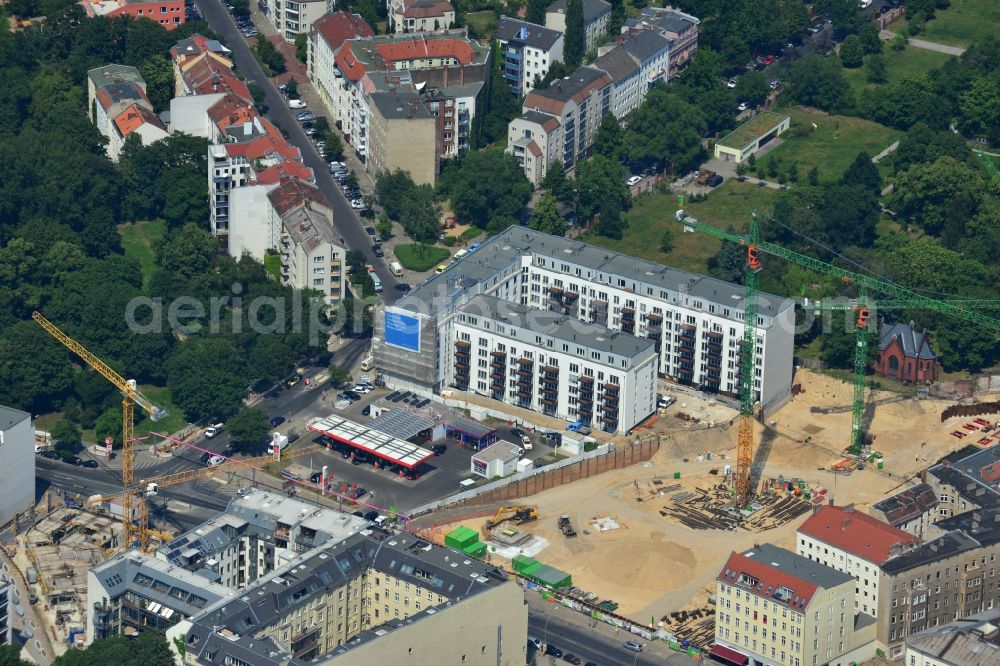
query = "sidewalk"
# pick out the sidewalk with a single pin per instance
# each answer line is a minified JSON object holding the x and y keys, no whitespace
{"x":924,"y":44}
{"x":39,"y":647}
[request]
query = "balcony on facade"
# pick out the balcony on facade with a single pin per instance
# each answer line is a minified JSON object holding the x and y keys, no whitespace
{"x":628,"y":320}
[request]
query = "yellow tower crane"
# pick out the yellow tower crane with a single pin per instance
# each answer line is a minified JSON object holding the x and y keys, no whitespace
{"x":131,"y":396}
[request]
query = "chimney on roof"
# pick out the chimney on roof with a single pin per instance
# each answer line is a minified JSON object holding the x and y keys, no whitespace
{"x":829,"y":501}
{"x":934,"y":547}
{"x":849,"y":508}
{"x":847,"y":523}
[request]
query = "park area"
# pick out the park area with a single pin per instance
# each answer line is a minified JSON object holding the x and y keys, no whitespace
{"x":728,"y":205}
{"x":139,"y":240}
{"x":964,"y":22}
{"x":911,"y":62}
{"x":651,"y":537}
{"x":827,"y":142}
{"x":418,"y":257}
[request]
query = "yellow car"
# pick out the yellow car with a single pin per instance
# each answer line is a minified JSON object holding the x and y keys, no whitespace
{"x":440,"y":269}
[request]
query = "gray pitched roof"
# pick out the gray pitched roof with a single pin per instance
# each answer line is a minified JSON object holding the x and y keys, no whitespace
{"x":618,"y":63}
{"x":943,"y":547}
{"x":10,"y":417}
{"x":591,"y":8}
{"x":907,"y":504}
{"x":915,"y":345}
{"x":564,"y":89}
{"x":669,"y":20}
{"x":529,"y":34}
{"x":968,"y":641}
{"x":645,"y":44}
{"x":796,"y":565}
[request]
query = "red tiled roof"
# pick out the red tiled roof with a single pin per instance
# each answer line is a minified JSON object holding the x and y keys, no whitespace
{"x":134,"y":117}
{"x":855,"y":532}
{"x":209,"y":76}
{"x":229,"y":111}
{"x":284,"y":170}
{"x":768,"y":577}
{"x":292,"y":193}
{"x":411,"y":49}
{"x":270,"y":144}
{"x":338,"y":27}
{"x":348,"y":63}
{"x":535,"y":150}
{"x":990,"y":473}
{"x":425,"y":9}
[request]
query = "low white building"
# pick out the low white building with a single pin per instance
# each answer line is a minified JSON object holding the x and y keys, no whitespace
{"x":420,"y":15}
{"x":496,"y":460}
{"x":855,"y":543}
{"x":17,"y":463}
{"x":554,"y":363}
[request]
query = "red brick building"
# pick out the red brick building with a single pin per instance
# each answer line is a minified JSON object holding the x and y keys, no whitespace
{"x":168,"y":13}
{"x":905,"y":355}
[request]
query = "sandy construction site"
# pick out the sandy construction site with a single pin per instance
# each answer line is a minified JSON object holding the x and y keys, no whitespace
{"x":673,"y":537}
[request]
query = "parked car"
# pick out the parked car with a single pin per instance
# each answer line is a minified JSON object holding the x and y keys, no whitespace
{"x":215,"y":461}
{"x":553,"y":651}
{"x":769,"y":59}
{"x":277,"y":421}
{"x":572,"y":658}
{"x":439,"y":449}
{"x":305,"y":116}
{"x":51,"y":455}
{"x":816,"y":28}
{"x":357,"y":204}
{"x":296,"y":104}
{"x":370,"y":231}
{"x":206,"y":456}
{"x":371,"y":516}
{"x":714,"y":181}
{"x":358,"y":493}
{"x":315,"y":477}
{"x":775,"y":84}
{"x":742,"y":107}
{"x":634,"y":180}
{"x":367,"y":411}
{"x":377,"y":249}
{"x":633,"y":646}
{"x":214,"y":430}
{"x":402,"y":286}
{"x":75,"y":460}
{"x":731,"y":83}
{"x":92,"y":464}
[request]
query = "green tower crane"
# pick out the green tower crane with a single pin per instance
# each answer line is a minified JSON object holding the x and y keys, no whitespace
{"x":754,"y":246}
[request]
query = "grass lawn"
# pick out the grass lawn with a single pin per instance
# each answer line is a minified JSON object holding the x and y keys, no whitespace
{"x":139,"y":240}
{"x":272,"y":262}
{"x":143,"y":424}
{"x":471,"y":233}
{"x":730,"y":204}
{"x":482,"y":23}
{"x":910,"y":62}
{"x":965,"y":22}
{"x":832,"y":146}
{"x":420,"y":258}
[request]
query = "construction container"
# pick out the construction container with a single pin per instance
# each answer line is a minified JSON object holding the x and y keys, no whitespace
{"x":476,"y":549}
{"x":880,"y":464}
{"x":677,"y":475}
{"x":807,"y":494}
{"x":798,"y":492}
{"x":522,"y":563}
{"x":802,"y":485}
{"x":461,"y":537}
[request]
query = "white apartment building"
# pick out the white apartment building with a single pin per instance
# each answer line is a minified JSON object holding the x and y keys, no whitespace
{"x":292,"y":17}
{"x":775,"y":607}
{"x":636,"y":64}
{"x":694,"y":322}
{"x":311,"y":255}
{"x":526,"y":52}
{"x":17,"y":463}
{"x":854,"y":543}
{"x":326,"y":36}
{"x":554,"y":364}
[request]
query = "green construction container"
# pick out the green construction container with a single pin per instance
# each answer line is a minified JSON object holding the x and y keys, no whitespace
{"x":549,"y":577}
{"x":881,"y":464}
{"x":477,"y":549}
{"x":461,"y":537}
{"x":522,"y":563}
{"x":677,"y":475}
{"x":807,"y":494}
{"x":802,"y":485}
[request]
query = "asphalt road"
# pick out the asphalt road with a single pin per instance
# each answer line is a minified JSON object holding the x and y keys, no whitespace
{"x":345,"y":220}
{"x":589,"y":644}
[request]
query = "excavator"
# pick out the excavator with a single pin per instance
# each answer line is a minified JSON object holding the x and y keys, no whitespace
{"x":519,"y":514}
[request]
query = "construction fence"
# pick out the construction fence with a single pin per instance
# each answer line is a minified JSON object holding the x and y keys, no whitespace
{"x":978,"y":409}
{"x":605,"y":458}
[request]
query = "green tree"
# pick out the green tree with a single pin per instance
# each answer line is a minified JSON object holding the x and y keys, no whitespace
{"x":664,"y":127}
{"x":339,"y":375}
{"x":536,"y":11}
{"x":751,"y":88}
{"x":557,"y":70}
{"x":940,"y":197}
{"x":667,"y":239}
{"x":10,"y":655}
{"x":249,"y":426}
{"x":871,"y":44}
{"x":838,"y":344}
{"x":268,"y":56}
{"x":793,"y":172}
{"x":817,"y":81}
{"x":862,"y":172}
{"x":486,"y":184}
{"x":292,"y":88}
{"x":979,"y":110}
{"x":158,"y":73}
{"x":556,"y":183}
{"x":903,"y":103}
{"x":384,"y":226}
{"x":574,"y":39}
{"x":612,"y":223}
{"x":502,"y":106}
{"x":333,"y":147}
{"x":257,"y":92}
{"x":66,"y":438}
{"x":241,"y":8}
{"x":150,"y":649}
{"x":109,"y":424}
{"x":922,"y":144}
{"x":813,"y":176}
{"x":206,"y":378}
{"x":420,"y":215}
{"x":36,"y":370}
{"x":600,"y":182}
{"x":727,"y":264}
{"x":875,"y":71}
{"x":545,"y":217}
{"x":609,"y":137}
{"x":302,"y":47}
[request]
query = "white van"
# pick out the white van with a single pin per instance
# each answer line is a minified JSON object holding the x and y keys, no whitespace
{"x":376,"y":281}
{"x":468,"y":483}
{"x":368,"y":363}
{"x":396,"y":268}
{"x":461,"y":253}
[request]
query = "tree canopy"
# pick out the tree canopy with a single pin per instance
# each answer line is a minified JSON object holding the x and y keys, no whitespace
{"x":485,"y":184}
